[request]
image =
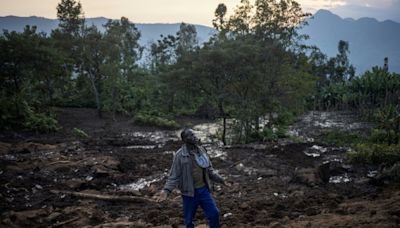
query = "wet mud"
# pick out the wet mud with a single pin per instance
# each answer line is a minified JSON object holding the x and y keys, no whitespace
{"x":109,"y":180}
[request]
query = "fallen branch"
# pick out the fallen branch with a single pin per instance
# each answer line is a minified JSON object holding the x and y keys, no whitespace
{"x":65,"y":222}
{"x":133,"y":199}
{"x":59,"y":162}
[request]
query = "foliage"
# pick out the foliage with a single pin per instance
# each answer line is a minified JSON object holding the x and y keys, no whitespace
{"x":342,"y":138}
{"x":388,"y":125}
{"x":374,"y":154}
{"x":374,"y":89}
{"x":255,"y":66}
{"x":150,"y":120}
{"x":272,"y":134}
{"x":79,"y":133}
{"x":41,"y":122}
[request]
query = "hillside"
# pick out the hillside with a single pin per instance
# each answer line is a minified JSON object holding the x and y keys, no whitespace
{"x":370,"y":40}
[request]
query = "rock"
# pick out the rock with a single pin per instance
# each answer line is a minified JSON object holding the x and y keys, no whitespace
{"x":324,"y":172}
{"x":74,"y":183}
{"x":100,"y":171}
{"x":227,"y":215}
{"x":22,"y":216}
{"x":239,"y":167}
{"x":267,"y":172}
{"x":244,"y":205}
{"x":328,"y":169}
{"x":53,"y":216}
{"x":306,"y":176}
{"x":312,"y":211}
{"x":4,"y":147}
{"x":297,"y":193}
{"x":275,"y":225}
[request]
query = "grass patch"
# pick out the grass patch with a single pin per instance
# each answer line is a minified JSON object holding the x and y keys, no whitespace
{"x":156,"y":121}
{"x":341,"y":138}
{"x":78,"y":133}
{"x":375,"y":154}
{"x":41,"y":123}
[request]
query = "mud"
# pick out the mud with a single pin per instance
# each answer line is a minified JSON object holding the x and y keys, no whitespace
{"x":274,"y":185}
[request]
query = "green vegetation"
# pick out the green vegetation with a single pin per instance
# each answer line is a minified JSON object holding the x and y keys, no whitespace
{"x":342,"y":138}
{"x":78,"y":133}
{"x":374,"y":154}
{"x":254,"y":66}
{"x":149,"y":120}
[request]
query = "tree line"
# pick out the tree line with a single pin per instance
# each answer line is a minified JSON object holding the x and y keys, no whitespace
{"x":256,"y":65}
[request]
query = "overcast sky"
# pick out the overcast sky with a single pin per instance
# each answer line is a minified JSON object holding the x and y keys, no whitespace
{"x":192,"y":11}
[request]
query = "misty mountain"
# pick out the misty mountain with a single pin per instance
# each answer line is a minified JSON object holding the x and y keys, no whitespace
{"x":149,"y":32}
{"x":370,"y":40}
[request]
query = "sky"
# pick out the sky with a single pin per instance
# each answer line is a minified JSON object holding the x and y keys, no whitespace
{"x":192,"y":11}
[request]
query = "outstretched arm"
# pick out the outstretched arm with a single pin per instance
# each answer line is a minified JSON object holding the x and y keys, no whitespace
{"x":172,"y":181}
{"x":174,"y":175}
{"x":214,"y":176}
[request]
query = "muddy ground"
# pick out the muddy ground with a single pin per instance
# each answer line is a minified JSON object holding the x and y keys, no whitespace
{"x":109,"y":179}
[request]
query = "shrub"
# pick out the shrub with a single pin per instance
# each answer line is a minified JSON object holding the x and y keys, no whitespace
{"x":145,"y":119}
{"x":269,"y":134}
{"x":341,"y":138}
{"x":374,"y":154}
{"x":41,"y":123}
{"x":79,"y":133}
{"x":285,"y":118}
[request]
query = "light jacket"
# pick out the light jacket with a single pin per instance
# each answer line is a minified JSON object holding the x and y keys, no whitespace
{"x":180,"y":174}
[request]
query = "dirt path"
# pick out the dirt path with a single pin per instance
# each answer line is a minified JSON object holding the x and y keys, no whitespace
{"x":109,"y":180}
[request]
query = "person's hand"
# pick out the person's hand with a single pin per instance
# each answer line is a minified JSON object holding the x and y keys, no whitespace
{"x":162,"y":196}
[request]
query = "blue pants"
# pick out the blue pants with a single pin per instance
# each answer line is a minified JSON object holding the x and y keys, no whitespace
{"x":202,"y":197}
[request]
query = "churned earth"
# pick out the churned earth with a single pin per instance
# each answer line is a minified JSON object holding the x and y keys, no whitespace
{"x":110,"y":178}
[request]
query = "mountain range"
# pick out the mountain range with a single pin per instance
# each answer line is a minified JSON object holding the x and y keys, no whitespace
{"x":370,"y":41}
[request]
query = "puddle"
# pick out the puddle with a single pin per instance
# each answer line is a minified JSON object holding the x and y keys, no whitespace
{"x":146,"y":147}
{"x":169,"y":152}
{"x":158,"y":137}
{"x":340,"y":179}
{"x":333,"y":159}
{"x":315,"y":151}
{"x":312,"y":123}
{"x":143,"y":182}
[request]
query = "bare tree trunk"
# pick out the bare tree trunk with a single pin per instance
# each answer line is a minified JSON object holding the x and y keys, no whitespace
{"x":16,"y":92}
{"x":222,"y":113}
{"x":96,"y":94}
{"x":114,"y":101}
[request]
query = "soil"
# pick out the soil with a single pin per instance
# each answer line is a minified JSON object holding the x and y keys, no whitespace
{"x":273,"y":184}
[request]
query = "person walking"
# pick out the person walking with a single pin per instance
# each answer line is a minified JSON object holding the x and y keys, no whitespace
{"x":192,"y":172}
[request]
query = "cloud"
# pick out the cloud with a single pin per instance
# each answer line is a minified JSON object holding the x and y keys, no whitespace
{"x":381,"y":10}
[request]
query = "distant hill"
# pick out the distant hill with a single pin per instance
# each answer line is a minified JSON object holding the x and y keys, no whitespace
{"x":370,"y":40}
{"x":150,"y":32}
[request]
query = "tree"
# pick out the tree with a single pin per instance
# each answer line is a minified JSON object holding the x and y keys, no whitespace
{"x":30,"y":67}
{"x":339,"y":67}
{"x":122,"y":52}
{"x":70,"y":16}
{"x":187,"y":39}
{"x":92,"y":59}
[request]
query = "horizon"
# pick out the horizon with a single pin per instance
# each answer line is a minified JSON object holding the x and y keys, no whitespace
{"x":178,"y":22}
{"x":177,"y":11}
